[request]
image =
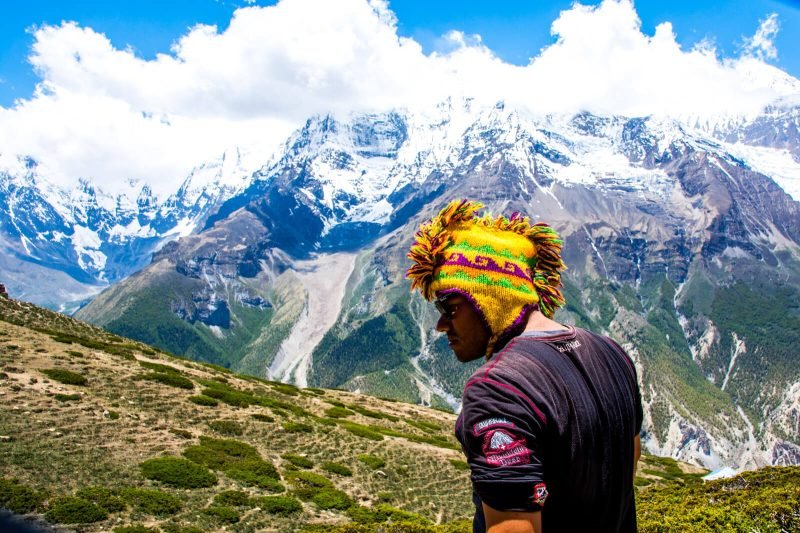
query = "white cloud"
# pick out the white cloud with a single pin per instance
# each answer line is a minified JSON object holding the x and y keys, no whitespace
{"x":106,"y":114}
{"x":762,"y":44}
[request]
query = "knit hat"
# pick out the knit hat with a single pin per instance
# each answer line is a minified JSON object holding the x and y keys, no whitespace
{"x":504,"y":266}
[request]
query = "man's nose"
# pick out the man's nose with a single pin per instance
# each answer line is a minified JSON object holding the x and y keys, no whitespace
{"x":443,"y":324}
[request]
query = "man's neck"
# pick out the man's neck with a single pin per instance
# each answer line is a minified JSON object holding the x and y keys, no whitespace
{"x":538,"y":322}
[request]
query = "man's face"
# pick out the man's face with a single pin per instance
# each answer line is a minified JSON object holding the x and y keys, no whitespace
{"x":467,"y":334}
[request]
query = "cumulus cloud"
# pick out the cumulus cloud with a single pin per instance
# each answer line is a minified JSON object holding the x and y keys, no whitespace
{"x":105,"y":114}
{"x":762,"y":44}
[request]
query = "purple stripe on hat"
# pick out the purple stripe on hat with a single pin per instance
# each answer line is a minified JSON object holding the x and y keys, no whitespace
{"x":483,"y":262}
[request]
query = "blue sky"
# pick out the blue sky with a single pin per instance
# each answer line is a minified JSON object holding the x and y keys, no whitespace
{"x":515,"y":30}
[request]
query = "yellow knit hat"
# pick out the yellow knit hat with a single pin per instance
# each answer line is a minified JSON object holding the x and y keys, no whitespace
{"x":504,"y":266}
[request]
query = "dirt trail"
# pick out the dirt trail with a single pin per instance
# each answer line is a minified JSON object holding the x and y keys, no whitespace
{"x":324,"y":279}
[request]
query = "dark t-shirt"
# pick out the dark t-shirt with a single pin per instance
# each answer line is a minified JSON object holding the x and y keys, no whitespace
{"x":548,"y":424}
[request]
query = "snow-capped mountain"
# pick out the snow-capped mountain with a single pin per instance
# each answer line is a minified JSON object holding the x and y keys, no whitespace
{"x":682,"y":240}
{"x":61,"y":246}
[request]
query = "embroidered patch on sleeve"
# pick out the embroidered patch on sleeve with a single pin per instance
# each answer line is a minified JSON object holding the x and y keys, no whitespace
{"x":501,"y":448}
{"x":539,"y":494}
{"x":489,"y":423}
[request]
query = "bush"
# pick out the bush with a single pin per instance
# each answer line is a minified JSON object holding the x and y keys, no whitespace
{"x":458,"y":464}
{"x":372,"y":461}
{"x":182,"y":433}
{"x":233,"y":498}
{"x":256,"y":473}
{"x":72,"y":510}
{"x":338,"y":412}
{"x":297,"y":427}
{"x":152,"y":502}
{"x":337,"y":468}
{"x":361,"y":431}
{"x":238,"y":460}
{"x":298,"y":460}
{"x":307,"y":484}
{"x":224,"y":514}
{"x":178,"y":472}
{"x":285,"y":388}
{"x":280,"y":505}
{"x":332,"y":499}
{"x":137,"y":528}
{"x":365,"y":515}
{"x":203,"y":400}
{"x":226,"y":427}
{"x":18,"y":498}
{"x":373,"y":414}
{"x":103,"y":497}
{"x":173,"y":380}
{"x":262,"y":418}
{"x":385,"y":496}
{"x":66,"y":377}
{"x":159,"y":368}
{"x":67,"y":397}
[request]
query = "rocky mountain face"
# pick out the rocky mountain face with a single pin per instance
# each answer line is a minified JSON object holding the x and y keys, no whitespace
{"x":60,"y":247}
{"x":682,"y":242}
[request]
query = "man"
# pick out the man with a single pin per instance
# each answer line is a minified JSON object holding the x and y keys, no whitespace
{"x":550,"y":423}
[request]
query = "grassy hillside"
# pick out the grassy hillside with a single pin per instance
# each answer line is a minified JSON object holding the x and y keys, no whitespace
{"x":102,"y":433}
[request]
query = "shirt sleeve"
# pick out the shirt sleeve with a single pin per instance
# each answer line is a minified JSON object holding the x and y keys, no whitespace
{"x":502,"y":431}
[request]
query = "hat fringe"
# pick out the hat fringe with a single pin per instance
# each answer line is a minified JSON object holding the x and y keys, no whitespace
{"x":432,"y":239}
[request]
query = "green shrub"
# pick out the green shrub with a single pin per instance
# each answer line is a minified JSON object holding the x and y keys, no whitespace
{"x":399,"y":515}
{"x":315,"y":391}
{"x":297,"y":427}
{"x":103,"y":497}
{"x":113,"y":415}
{"x":203,"y":400}
{"x":361,"y":431}
{"x":173,"y":380}
{"x":238,"y":460}
{"x":224,"y":514}
{"x":338,"y":412}
{"x":385,"y":496}
{"x":280,"y":505}
{"x":231,"y":397}
{"x":337,"y":468}
{"x":256,"y":473}
{"x":262,"y":418}
{"x":182,"y":433}
{"x":75,"y":353}
{"x":332,"y":499}
{"x":152,"y":502}
{"x":372,"y":461}
{"x":427,"y":427}
{"x":67,"y":397}
{"x":233,"y":498}
{"x":178,"y":472}
{"x":159,"y":368}
{"x":365,"y":515}
{"x":307,"y":484}
{"x":177,"y":528}
{"x":226,"y":427}
{"x":373,"y":414}
{"x":285,"y":388}
{"x":298,"y":460}
{"x":136,"y":528}
{"x":64,"y":376}
{"x":458,"y":464}
{"x":18,"y":498}
{"x":72,"y":510}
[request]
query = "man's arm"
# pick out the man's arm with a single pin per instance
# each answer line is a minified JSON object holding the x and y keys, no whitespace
{"x":637,"y":452}
{"x":512,"y":521}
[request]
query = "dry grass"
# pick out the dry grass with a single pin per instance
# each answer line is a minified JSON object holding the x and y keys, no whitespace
{"x":61,"y":446}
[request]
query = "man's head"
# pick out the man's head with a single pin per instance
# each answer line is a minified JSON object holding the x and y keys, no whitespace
{"x":500,"y":268}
